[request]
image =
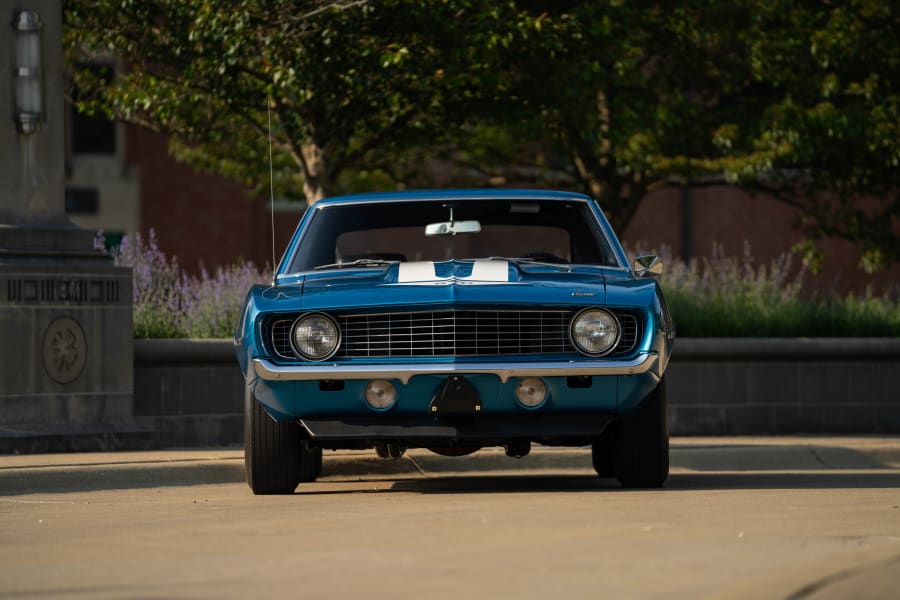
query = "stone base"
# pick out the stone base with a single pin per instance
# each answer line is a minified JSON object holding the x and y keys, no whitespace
{"x":73,"y":409}
{"x":41,"y":244}
{"x":65,"y":343}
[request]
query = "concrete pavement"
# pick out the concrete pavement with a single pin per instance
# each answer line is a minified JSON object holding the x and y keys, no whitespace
{"x":781,"y":517}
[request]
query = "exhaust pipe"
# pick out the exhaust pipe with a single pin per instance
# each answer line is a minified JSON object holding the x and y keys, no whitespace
{"x":390,"y":450}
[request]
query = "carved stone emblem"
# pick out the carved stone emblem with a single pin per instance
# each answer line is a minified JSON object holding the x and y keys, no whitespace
{"x":64,"y":350}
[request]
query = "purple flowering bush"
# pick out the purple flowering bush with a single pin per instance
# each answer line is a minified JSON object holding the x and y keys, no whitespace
{"x":717,"y":296}
{"x":168,"y":302}
{"x":736,"y":296}
{"x":212,"y":304}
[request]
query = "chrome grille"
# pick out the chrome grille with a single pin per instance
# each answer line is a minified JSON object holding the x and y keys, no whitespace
{"x":454,"y":333}
{"x":630,"y":333}
{"x":281,"y":337}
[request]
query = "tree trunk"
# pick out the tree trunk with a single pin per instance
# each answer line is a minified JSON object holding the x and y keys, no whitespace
{"x":618,"y":198}
{"x":316,"y":183}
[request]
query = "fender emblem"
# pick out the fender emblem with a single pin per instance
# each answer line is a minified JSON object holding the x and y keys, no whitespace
{"x":583,"y":294}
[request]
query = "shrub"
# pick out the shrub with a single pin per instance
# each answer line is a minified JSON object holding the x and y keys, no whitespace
{"x":168,"y":302}
{"x":212,"y":305}
{"x":723,"y":296}
{"x":719,"y":296}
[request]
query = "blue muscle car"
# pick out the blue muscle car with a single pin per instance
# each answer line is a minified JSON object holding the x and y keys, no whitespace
{"x":455,"y":320}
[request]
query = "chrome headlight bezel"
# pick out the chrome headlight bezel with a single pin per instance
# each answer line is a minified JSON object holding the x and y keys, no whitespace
{"x":612,"y":319}
{"x":309,"y":356}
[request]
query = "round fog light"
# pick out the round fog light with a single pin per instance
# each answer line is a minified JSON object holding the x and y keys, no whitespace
{"x":531,"y":392}
{"x":380,"y":394}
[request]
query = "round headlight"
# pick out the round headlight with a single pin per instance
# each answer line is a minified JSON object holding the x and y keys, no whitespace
{"x":595,"y":331}
{"x":316,"y":336}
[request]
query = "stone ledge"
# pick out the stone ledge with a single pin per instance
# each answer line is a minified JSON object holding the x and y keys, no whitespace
{"x":785,"y":349}
{"x":179,"y":351}
{"x":157,"y":351}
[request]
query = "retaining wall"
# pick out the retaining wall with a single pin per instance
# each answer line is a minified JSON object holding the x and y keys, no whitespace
{"x":781,"y":386}
{"x":190,"y":392}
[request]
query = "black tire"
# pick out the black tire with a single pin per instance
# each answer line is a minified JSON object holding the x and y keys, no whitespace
{"x":310,"y":463}
{"x":642,"y":443}
{"x":603,"y":452}
{"x":271,"y":450}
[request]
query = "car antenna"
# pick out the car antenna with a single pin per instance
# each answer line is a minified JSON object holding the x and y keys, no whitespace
{"x":271,"y":187}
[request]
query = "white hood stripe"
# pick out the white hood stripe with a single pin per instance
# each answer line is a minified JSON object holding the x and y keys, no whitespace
{"x":490,"y":270}
{"x":416,"y":271}
{"x":424,"y":271}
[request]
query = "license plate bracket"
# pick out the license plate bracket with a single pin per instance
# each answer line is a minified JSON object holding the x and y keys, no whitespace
{"x":456,"y":397}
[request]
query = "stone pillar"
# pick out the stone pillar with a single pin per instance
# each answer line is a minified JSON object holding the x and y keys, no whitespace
{"x":66,"y":374}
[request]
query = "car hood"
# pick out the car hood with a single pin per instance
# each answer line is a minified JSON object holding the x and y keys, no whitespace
{"x":458,"y":282}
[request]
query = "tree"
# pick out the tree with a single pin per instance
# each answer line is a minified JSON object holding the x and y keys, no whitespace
{"x":795,"y":99}
{"x":338,"y":78}
{"x":833,"y":128}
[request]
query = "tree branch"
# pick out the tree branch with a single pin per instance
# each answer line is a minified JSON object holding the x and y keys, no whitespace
{"x":342,"y":162}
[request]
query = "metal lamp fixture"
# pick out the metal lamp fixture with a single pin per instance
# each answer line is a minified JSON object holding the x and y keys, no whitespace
{"x":28,"y":72}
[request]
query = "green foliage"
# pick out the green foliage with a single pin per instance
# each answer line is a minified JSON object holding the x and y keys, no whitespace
{"x":341,"y":78}
{"x":800,"y":100}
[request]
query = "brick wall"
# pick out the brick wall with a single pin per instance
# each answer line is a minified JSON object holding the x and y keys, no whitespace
{"x":202,"y":218}
{"x":690,"y":226}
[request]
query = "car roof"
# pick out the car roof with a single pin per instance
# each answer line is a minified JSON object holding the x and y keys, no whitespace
{"x":470,"y":194}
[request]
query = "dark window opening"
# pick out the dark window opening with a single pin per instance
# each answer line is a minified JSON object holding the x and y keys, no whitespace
{"x":93,"y":134}
{"x":82,"y":201}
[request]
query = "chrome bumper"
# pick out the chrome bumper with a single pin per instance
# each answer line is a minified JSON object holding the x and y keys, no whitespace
{"x":271,"y":372}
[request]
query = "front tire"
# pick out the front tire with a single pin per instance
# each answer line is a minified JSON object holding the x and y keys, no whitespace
{"x":603,"y":452}
{"x":272,"y":450}
{"x":310,"y":462}
{"x":641,"y":457}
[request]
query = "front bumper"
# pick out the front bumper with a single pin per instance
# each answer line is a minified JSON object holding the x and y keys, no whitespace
{"x":269,"y":371}
{"x":481,"y":431}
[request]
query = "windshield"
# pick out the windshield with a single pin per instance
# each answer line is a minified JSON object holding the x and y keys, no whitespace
{"x":545,"y":231}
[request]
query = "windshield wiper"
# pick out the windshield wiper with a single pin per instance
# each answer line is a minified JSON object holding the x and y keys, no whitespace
{"x":360,"y":262}
{"x":532,"y":261}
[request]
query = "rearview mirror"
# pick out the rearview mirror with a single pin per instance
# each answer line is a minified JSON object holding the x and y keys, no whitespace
{"x":452,"y":228}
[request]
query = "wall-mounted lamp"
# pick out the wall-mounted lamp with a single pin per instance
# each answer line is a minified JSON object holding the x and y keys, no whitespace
{"x":28,"y":75}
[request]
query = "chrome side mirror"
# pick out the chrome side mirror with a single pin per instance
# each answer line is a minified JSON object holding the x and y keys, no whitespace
{"x":648,"y":265}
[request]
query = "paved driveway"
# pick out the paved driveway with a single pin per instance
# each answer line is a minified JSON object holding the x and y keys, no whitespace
{"x":739,"y":518}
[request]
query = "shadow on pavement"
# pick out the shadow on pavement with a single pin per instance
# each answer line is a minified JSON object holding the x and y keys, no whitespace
{"x":56,"y":480}
{"x":505,"y":483}
{"x":697,"y":467}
